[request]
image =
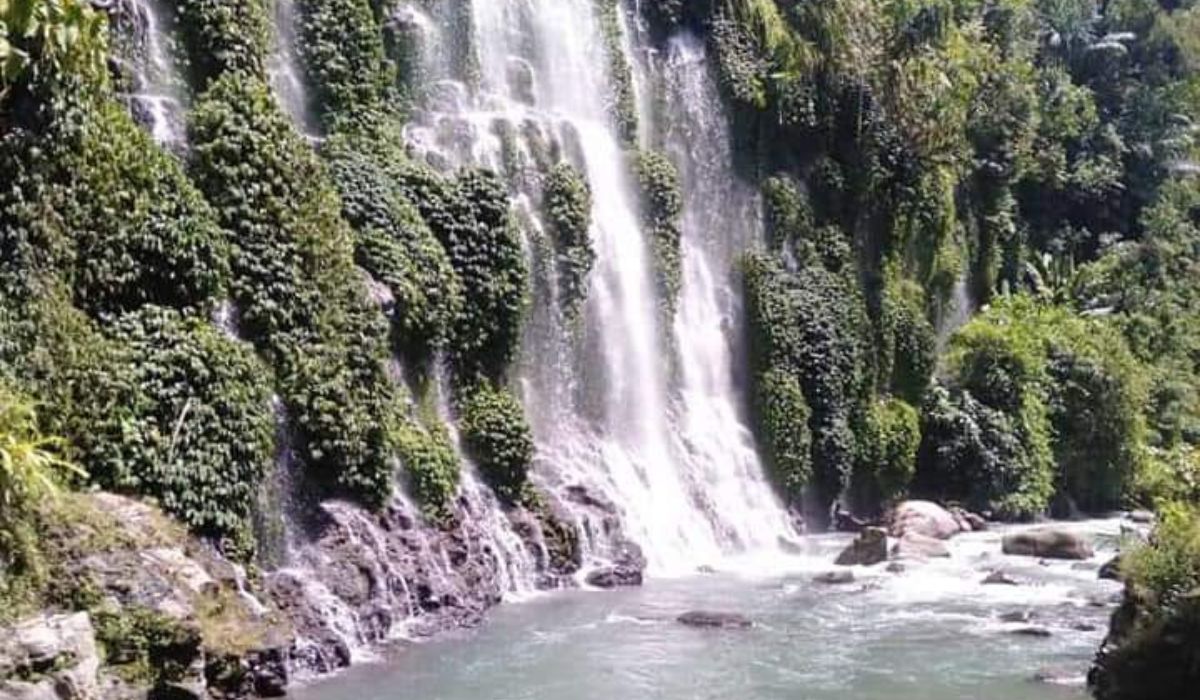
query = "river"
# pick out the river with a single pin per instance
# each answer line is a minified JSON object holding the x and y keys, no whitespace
{"x":931,"y":632}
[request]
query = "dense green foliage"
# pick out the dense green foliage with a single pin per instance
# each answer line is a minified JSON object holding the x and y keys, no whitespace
{"x":1054,"y":374}
{"x":498,"y":439}
{"x":31,"y":471}
{"x":180,"y":413}
{"x":393,"y":243}
{"x":345,"y":56}
{"x":804,"y":337}
{"x":300,"y":297}
{"x":661,"y":207}
{"x":567,"y":209}
{"x":888,"y":439}
{"x":919,"y":152}
{"x":225,"y":37}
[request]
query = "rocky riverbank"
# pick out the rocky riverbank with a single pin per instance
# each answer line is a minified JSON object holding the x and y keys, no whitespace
{"x":139,"y":604}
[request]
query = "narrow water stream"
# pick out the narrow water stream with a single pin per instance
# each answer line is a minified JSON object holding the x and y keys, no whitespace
{"x":932,"y":632}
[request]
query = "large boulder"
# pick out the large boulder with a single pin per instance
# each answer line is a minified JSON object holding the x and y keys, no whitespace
{"x":708,"y":618}
{"x":1047,"y":543}
{"x":870,"y":547}
{"x":924,"y":518}
{"x":50,"y":657}
{"x":628,"y":565}
{"x":914,"y":545}
{"x":1112,"y":570}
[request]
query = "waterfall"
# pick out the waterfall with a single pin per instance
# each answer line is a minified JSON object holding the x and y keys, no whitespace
{"x":672,"y":455}
{"x":157,"y":93}
{"x":957,"y":311}
{"x":721,"y":219}
{"x":286,"y":70}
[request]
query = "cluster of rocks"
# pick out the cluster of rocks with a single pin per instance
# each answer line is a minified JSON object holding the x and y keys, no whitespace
{"x":918,"y":531}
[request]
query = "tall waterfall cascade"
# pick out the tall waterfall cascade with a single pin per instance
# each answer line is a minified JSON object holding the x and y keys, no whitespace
{"x":643,"y":410}
{"x":156,"y":92}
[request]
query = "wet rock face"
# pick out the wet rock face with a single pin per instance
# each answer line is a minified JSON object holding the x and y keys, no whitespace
{"x":1047,"y":543}
{"x":361,"y":574}
{"x":629,"y":565}
{"x":1146,"y":655}
{"x":552,"y":538}
{"x":1111,"y":570}
{"x":870,"y":547}
{"x":834,"y":578}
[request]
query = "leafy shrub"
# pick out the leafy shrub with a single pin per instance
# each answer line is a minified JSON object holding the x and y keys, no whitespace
{"x":300,"y":297}
{"x":990,"y":460}
{"x":806,"y":324}
{"x":31,"y":469}
{"x":888,"y":442}
{"x":49,"y":39}
{"x":180,"y":413}
{"x":393,"y":243}
{"x":432,"y":467}
{"x":498,"y":438}
{"x":225,"y":36}
{"x":567,"y":209}
{"x":1081,"y":370}
{"x":1171,"y":475}
{"x":909,"y":347}
{"x":344,"y":52}
{"x":470,"y":217}
{"x":143,"y":235}
{"x":662,"y":206}
{"x":1152,"y":648}
{"x":30,"y":465}
{"x":783,"y":417}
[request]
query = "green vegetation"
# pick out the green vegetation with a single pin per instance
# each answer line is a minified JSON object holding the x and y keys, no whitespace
{"x":887,"y":442}
{"x":567,"y":209}
{"x":1153,"y":646}
{"x":225,"y":37}
{"x":661,"y":206}
{"x":187,"y":422}
{"x":31,"y":472}
{"x":498,"y":439}
{"x":622,"y":100}
{"x":44,"y":40}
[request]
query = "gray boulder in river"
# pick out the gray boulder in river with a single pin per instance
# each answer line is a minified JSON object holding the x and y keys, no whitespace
{"x":1048,"y":543}
{"x":870,"y":547}
{"x":708,"y":618}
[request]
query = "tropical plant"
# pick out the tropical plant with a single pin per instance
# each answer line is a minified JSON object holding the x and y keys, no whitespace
{"x":50,"y":37}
